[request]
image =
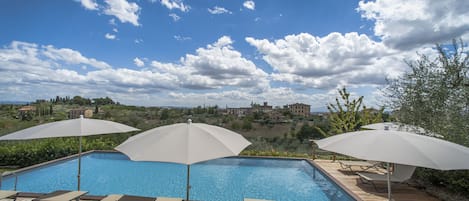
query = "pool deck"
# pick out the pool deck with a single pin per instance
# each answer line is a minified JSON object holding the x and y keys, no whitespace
{"x":366,"y":192}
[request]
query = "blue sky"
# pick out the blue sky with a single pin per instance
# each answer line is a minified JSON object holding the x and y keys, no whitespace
{"x":190,"y":53}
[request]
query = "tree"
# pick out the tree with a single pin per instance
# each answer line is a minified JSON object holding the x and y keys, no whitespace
{"x":345,"y":118}
{"x":309,"y":132}
{"x":164,"y":114}
{"x":435,"y":93}
{"x":247,"y":125}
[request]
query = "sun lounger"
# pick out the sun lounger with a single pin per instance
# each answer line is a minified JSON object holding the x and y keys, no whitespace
{"x":120,"y":197}
{"x":168,"y":199}
{"x":364,"y":165}
{"x":112,"y":197}
{"x":136,"y":198}
{"x":61,"y":196}
{"x":5,"y":194}
{"x":250,"y":199}
{"x":401,"y":174}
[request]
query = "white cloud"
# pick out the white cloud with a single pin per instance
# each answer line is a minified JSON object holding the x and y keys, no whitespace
{"x":175,"y":4}
{"x":249,"y":5}
{"x":71,"y":57}
{"x":40,"y":70}
{"x":123,"y":10}
{"x":138,"y":62}
{"x":115,"y":30}
{"x":218,"y":10}
{"x":110,"y":36}
{"x":182,"y":38}
{"x":407,"y":24}
{"x":215,"y":67}
{"x":302,"y":61}
{"x":174,"y":16}
{"x":89,"y":4}
{"x":138,"y":41}
{"x":112,"y":22}
{"x":331,"y":61}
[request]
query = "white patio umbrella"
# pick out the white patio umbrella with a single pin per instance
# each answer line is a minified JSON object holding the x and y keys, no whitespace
{"x":70,"y":128}
{"x":396,"y":126}
{"x":183,"y":143}
{"x":399,"y":147}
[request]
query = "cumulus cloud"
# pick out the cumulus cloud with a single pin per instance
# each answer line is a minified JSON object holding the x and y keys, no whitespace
{"x":39,"y":69}
{"x":110,"y":36}
{"x":232,"y":79}
{"x":175,"y":4}
{"x":407,"y":24}
{"x":71,"y":57}
{"x":89,"y":4}
{"x":216,"y":66}
{"x":249,"y":5}
{"x":126,"y":12}
{"x":330,"y":61}
{"x":138,"y":62}
{"x":174,"y":16}
{"x":218,"y":10}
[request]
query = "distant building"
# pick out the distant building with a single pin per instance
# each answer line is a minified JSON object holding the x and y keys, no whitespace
{"x":299,"y":109}
{"x":26,"y":109}
{"x":75,"y":113}
{"x":262,"y":108}
{"x":241,"y":111}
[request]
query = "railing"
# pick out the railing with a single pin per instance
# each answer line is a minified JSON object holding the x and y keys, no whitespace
{"x":9,"y":173}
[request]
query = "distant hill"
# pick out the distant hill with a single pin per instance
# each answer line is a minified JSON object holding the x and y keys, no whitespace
{"x":13,"y":102}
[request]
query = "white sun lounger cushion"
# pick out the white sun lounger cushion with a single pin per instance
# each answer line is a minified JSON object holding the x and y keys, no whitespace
{"x":66,"y":196}
{"x":112,"y":197}
{"x":168,"y":199}
{"x":5,"y":194}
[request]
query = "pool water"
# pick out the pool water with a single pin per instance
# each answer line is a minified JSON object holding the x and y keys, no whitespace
{"x":227,"y":179}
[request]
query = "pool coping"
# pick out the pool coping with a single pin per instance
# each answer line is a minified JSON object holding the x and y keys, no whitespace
{"x":10,"y":173}
{"x":309,"y":161}
{"x":336,"y":181}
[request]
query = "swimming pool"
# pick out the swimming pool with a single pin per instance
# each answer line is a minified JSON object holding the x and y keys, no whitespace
{"x":226,"y":179}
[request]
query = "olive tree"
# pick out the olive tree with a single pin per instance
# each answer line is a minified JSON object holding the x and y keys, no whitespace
{"x":434,"y":94}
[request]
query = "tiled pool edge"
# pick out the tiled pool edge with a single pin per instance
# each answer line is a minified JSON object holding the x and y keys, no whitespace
{"x":336,"y":181}
{"x":10,"y":173}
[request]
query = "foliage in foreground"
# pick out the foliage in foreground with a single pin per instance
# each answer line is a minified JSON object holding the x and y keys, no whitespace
{"x":435,"y":96}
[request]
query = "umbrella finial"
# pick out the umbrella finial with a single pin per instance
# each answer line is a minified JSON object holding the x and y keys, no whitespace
{"x":189,"y":121}
{"x":81,"y":116}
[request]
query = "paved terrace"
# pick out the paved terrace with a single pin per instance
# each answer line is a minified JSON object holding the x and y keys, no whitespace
{"x":366,"y":192}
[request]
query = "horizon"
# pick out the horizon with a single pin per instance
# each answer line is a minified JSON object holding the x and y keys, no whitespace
{"x":185,"y":53}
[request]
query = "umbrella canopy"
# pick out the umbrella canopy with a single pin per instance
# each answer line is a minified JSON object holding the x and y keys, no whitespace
{"x":184,"y":143}
{"x":396,"y":126}
{"x":399,"y":147}
{"x":70,"y":128}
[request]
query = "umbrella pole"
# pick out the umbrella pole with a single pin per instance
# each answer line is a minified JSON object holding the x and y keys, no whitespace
{"x":389,"y":181}
{"x":188,"y":185}
{"x":79,"y":164}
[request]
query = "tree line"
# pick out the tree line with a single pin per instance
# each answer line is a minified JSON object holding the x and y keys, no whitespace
{"x":78,"y":100}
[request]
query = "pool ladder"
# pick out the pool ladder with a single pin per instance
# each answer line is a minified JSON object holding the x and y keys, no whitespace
{"x":8,"y":173}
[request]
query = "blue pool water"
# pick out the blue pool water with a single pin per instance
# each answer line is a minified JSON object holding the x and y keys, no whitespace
{"x":227,"y":179}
